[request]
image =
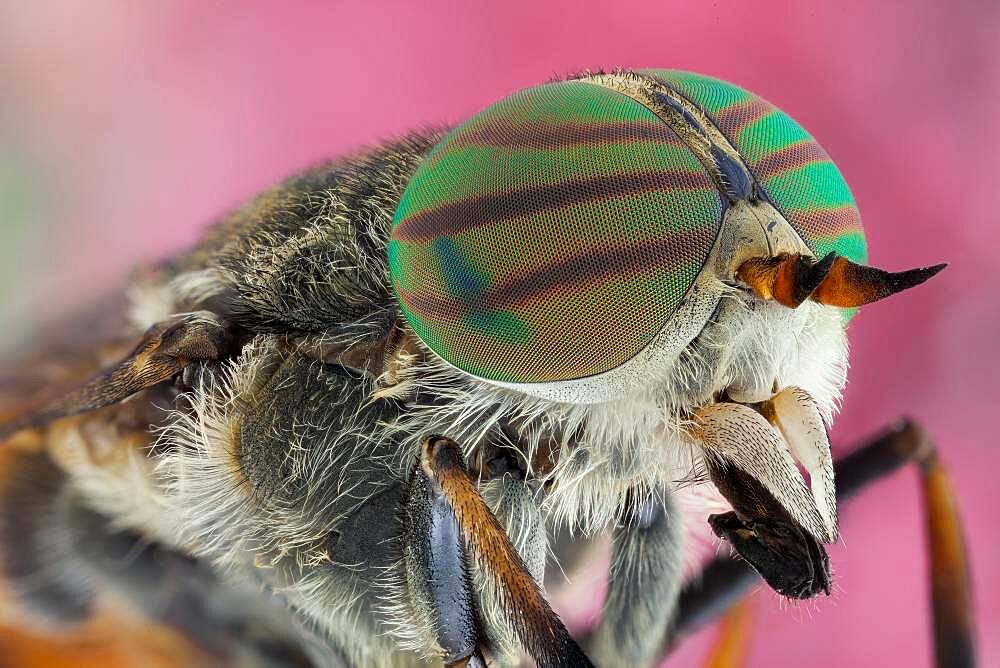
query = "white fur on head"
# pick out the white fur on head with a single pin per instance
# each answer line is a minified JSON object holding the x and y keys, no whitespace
{"x":642,"y":438}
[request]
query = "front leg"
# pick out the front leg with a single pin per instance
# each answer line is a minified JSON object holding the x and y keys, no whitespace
{"x":446,"y":517}
{"x":437,"y":575}
{"x":644,"y":582}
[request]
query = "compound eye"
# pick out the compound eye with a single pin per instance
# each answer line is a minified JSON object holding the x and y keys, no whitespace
{"x":552,"y":236}
{"x":794,"y":172}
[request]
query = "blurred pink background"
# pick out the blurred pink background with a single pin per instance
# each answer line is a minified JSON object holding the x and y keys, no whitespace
{"x":125,"y":127}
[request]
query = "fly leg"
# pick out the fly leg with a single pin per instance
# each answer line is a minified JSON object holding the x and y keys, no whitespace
{"x":446,"y":518}
{"x":733,"y":641}
{"x":724,"y":581}
{"x":644,"y":582}
{"x":436,"y":573}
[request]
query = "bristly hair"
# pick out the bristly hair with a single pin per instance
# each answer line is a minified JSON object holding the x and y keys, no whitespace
{"x":276,"y":462}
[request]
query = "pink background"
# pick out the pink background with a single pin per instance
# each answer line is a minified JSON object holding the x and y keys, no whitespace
{"x":125,"y":127}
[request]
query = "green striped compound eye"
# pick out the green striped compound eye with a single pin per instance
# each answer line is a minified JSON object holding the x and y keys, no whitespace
{"x":552,"y":236}
{"x":795,"y":173}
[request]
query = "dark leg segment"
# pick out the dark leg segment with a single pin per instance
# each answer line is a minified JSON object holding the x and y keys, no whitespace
{"x":645,"y":580}
{"x":724,"y":581}
{"x":538,"y":628}
{"x":436,"y":568}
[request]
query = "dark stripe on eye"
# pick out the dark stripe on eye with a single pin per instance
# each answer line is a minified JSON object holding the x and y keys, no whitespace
{"x":540,"y":136}
{"x":735,"y":117}
{"x":585,"y":268}
{"x":829,"y":222}
{"x":598,"y":265}
{"x":458,"y":217}
{"x":790,"y":157}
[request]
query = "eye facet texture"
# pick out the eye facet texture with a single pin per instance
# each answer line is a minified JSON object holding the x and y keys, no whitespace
{"x":796,"y":174}
{"x":551,"y":236}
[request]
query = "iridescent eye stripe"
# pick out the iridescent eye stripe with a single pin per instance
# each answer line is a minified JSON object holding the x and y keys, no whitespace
{"x":552,"y":235}
{"x":743,"y":112}
{"x":795,"y":154}
{"x":531,"y":166}
{"x":543,"y":281}
{"x":460,"y":216}
{"x":568,"y":134}
{"x":796,"y":174}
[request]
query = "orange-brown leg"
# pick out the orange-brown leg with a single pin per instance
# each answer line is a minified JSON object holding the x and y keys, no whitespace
{"x":733,"y":642}
{"x":724,"y":581}
{"x":539,"y":629}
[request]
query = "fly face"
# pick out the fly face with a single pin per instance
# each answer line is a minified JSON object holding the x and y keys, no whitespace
{"x":654,"y":234}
